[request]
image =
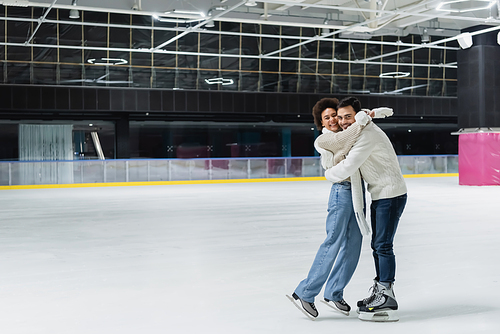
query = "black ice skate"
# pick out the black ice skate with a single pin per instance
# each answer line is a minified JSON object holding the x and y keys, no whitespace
{"x":382,"y":308}
{"x":369,"y":299}
{"x":307,"y":308}
{"x":338,"y":305}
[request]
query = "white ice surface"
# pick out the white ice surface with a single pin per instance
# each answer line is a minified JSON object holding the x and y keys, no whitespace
{"x":220,"y":258}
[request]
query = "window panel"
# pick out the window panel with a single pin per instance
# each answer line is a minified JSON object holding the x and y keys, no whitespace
{"x":372,"y":85}
{"x":119,"y":37}
{"x":209,"y":62}
{"x":162,"y":36}
{"x":70,"y":75}
{"x":340,"y":84}
{"x":247,"y":74}
{"x":230,"y":63}
{"x":269,"y":82}
{"x":250,"y":82}
{"x":141,"y":77}
{"x":324,"y":83}
{"x":189,"y":43}
{"x":18,"y":73}
{"x":288,"y":83}
{"x":186,"y":79}
{"x":164,"y":60}
{"x":230,"y":44}
{"x":44,"y":74}
{"x":95,"y":36}
{"x":164,"y":78}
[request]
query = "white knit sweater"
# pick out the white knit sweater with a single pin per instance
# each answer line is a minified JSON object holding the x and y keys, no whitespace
{"x":333,"y":147}
{"x":341,"y":143}
{"x":374,"y":156}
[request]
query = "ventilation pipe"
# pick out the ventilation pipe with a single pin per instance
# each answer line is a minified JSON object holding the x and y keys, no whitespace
{"x":373,"y":14}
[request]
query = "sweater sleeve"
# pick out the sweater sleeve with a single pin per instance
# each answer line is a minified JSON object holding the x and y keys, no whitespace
{"x":342,"y":141}
{"x":358,"y":154}
{"x":326,"y":158}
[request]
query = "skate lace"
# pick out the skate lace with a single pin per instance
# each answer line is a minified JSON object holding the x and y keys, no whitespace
{"x":373,"y":292}
{"x":376,"y":299}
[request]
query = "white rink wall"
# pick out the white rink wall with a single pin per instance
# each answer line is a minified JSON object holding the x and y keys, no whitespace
{"x":103,"y":171}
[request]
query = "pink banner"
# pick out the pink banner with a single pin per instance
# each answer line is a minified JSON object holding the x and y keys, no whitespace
{"x":479,"y":159}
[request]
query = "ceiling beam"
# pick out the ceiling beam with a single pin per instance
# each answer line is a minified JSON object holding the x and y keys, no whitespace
{"x":216,"y":32}
{"x":40,"y":21}
{"x":225,"y":55}
{"x":479,"y":32}
{"x":199,"y":25}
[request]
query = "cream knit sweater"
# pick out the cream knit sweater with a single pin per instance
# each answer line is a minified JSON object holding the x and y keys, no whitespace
{"x":340,"y":144}
{"x":333,"y":147}
{"x":375,"y":158}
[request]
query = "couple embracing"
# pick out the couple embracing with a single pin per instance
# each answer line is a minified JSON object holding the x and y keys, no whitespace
{"x":353,"y":151}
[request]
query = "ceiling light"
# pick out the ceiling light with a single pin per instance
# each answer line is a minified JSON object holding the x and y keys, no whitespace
{"x":15,"y":3}
{"x":250,"y":3}
{"x":394,"y":75}
{"x":209,"y":24}
{"x":108,"y":61}
{"x":185,"y":11}
{"x":73,"y":13}
{"x":136,"y":6}
{"x":425,"y":36}
{"x":449,"y":6}
{"x":222,"y":81}
{"x":465,"y":40}
{"x":498,"y":38}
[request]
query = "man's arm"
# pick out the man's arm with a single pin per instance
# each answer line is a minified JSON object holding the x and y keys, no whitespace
{"x":356,"y":157}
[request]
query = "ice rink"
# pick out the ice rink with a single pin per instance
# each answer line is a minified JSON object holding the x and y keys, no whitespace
{"x":219,"y":258}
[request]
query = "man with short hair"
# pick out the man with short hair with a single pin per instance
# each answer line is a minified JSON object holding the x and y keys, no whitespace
{"x":376,"y":159}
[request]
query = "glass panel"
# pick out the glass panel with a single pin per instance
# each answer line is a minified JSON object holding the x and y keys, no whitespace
{"x":138,"y":170}
{"x":218,"y":169}
{"x":311,"y":167}
{"x":258,"y":168}
{"x":452,"y":163}
{"x":5,"y":173}
{"x":276,"y":167}
{"x":115,"y":170}
{"x":238,"y":168}
{"x":90,"y":171}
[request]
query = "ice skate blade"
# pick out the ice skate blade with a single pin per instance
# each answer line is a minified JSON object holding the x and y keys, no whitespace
{"x":346,"y":313}
{"x":379,"y":316}
{"x":299,"y":306}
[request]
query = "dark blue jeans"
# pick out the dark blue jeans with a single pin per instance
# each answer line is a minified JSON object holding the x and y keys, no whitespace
{"x":385,"y":215}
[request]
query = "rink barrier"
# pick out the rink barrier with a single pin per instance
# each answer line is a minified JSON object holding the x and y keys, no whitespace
{"x":165,"y":183}
{"x":103,"y":173}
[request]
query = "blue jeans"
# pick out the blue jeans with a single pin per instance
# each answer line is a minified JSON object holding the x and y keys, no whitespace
{"x":340,"y":250}
{"x":385,"y":215}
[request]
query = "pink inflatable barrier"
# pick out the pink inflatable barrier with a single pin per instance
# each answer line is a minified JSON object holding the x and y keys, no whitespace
{"x":479,"y":159}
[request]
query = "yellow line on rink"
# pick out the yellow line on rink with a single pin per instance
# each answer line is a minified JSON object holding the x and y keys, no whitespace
{"x":412,"y":176}
{"x":164,"y":183}
{"x":159,"y":183}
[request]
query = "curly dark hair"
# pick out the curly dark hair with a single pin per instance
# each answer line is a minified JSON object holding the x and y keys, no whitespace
{"x":320,"y":106}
